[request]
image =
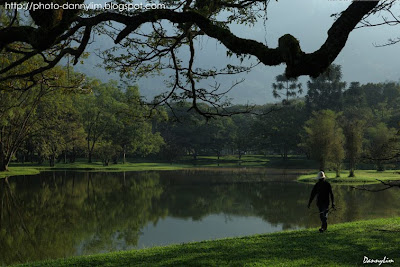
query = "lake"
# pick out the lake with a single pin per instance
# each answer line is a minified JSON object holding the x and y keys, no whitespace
{"x":62,"y":214}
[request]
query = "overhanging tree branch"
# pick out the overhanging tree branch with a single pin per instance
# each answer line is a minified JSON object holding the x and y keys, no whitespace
{"x":288,"y":52}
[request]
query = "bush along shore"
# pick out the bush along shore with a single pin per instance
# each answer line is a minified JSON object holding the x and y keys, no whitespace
{"x":347,"y":244}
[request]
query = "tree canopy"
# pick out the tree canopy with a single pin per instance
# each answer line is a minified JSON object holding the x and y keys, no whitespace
{"x":57,"y":33}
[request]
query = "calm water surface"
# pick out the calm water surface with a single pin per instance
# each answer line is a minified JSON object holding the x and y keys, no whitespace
{"x":62,"y":214}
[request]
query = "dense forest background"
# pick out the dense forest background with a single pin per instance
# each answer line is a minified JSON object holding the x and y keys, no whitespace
{"x":67,"y":115}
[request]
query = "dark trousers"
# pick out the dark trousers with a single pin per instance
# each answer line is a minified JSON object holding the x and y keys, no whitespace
{"x":323,"y":215}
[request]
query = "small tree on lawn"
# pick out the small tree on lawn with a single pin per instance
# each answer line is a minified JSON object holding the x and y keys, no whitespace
{"x":324,"y":139}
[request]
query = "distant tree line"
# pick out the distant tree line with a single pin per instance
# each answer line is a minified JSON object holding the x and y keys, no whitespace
{"x":333,"y":124}
{"x":60,"y":115}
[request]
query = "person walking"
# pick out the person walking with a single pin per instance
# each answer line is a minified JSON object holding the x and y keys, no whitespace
{"x":323,"y":190}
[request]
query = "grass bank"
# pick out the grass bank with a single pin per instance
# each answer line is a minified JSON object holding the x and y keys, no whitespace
{"x":14,"y":171}
{"x":98,"y":166}
{"x":362,"y":177}
{"x":342,"y":245}
{"x":141,"y":165}
{"x":31,"y":169}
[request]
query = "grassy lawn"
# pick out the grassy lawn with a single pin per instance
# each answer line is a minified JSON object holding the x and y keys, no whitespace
{"x":362,"y":177}
{"x":202,"y":161}
{"x":13,"y":171}
{"x":29,"y":169}
{"x":342,"y":245}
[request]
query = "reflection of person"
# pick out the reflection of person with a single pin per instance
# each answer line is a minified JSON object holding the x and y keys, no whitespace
{"x":323,"y":190}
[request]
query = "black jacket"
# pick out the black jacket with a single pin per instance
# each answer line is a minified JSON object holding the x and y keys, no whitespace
{"x":323,"y":190}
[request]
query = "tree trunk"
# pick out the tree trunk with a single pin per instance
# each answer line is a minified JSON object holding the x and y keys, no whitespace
{"x":124,"y":155}
{"x":21,"y":157}
{"x":115,"y":159}
{"x":73,"y":156}
{"x":106,"y":162}
{"x":285,"y":152}
{"x":40,"y":158}
{"x":380,"y":166}
{"x":32,"y":155}
{"x":90,"y":150}
{"x":351,"y":174}
{"x":52,"y":160}
{"x":90,"y":157}
{"x":3,"y":166}
{"x":4,"y":162}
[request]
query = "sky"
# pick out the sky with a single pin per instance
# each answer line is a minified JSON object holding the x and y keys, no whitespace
{"x":308,"y":21}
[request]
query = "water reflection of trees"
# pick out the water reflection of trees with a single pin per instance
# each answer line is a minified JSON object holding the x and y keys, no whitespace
{"x":76,"y":213}
{"x":274,"y":201}
{"x":70,"y":213}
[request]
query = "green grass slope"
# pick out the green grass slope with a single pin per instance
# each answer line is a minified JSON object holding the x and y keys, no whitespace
{"x":342,"y":245}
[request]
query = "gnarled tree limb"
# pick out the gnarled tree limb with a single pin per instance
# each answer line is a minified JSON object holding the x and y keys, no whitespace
{"x":298,"y":63}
